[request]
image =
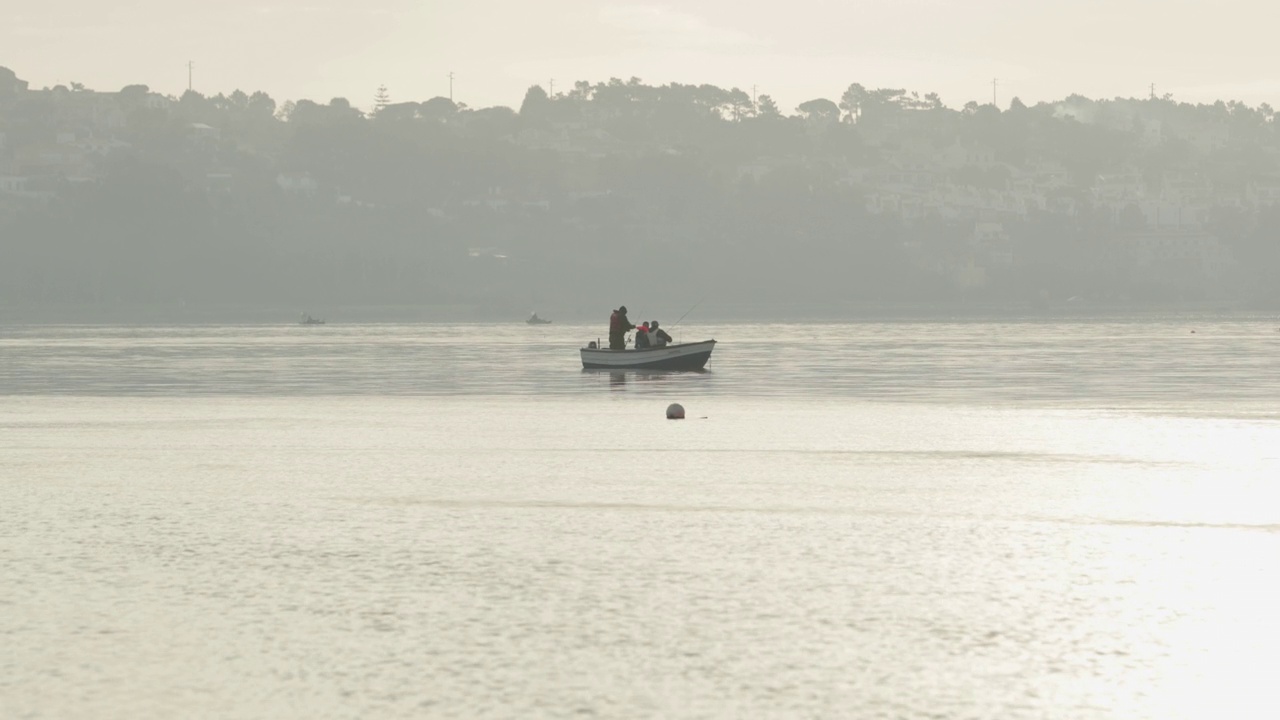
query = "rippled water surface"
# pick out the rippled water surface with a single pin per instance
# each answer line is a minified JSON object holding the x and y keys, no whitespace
{"x":882,"y":520}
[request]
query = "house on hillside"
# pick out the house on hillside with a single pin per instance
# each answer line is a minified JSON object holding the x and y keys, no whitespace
{"x":50,"y":161}
{"x":1265,"y":192}
{"x":10,"y":84}
{"x":1185,"y":186}
{"x":13,"y":184}
{"x":487,"y":253}
{"x":219,"y":181}
{"x":201,"y":131}
{"x":1152,"y":133}
{"x":1181,"y":257}
{"x":991,"y":242}
{"x":574,"y":137}
{"x":18,"y":189}
{"x":761,"y":167}
{"x":969,"y":275}
{"x":1167,"y":214}
{"x":1124,"y":186}
{"x":1048,"y":175}
{"x":156,"y":101}
{"x":1209,"y":138}
{"x":100,"y":146}
{"x":909,"y":170}
{"x":297,"y":183}
{"x":959,"y":155}
{"x":86,"y":111}
{"x":543,"y":139}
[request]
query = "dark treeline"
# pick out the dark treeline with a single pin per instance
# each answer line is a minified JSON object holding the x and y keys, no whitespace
{"x":625,"y":190}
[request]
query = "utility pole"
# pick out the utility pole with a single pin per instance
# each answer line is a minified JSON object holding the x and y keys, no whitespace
{"x":994,"y":82}
{"x":753,"y":96}
{"x":450,"y":86}
{"x":552,"y":85}
{"x":190,"y":66}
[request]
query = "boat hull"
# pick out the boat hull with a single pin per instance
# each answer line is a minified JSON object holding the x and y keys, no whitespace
{"x":687,"y":356}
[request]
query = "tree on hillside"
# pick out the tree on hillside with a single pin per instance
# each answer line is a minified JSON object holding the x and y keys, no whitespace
{"x":438,"y":109}
{"x":740,"y":104}
{"x":535,"y":103}
{"x":852,"y":101}
{"x":307,"y":111}
{"x":492,"y":123}
{"x":404,"y":111}
{"x":341,"y":109}
{"x":194,"y":107}
{"x":261,"y":106}
{"x":819,"y":109}
{"x":133,"y":96}
{"x":885,"y":100}
{"x":767,"y":107}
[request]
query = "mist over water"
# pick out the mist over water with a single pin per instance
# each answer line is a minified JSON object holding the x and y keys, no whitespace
{"x":1170,"y":364}
{"x":990,"y":428}
{"x":953,"y":519}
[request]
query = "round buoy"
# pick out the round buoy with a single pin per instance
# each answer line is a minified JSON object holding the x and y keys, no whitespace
{"x":675,"y":411}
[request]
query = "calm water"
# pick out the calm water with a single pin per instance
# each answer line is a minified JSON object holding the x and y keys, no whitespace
{"x":1021,"y":520}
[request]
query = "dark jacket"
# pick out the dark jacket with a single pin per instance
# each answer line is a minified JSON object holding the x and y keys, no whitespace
{"x":618,"y":323}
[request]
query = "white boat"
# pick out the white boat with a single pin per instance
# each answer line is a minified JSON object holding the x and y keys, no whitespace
{"x":685,"y":356}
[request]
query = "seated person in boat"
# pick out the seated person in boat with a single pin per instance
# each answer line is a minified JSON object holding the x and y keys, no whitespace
{"x":642,"y":336}
{"x":658,"y":337}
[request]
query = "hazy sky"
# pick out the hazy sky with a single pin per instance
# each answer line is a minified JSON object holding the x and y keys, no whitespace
{"x":792,"y":49}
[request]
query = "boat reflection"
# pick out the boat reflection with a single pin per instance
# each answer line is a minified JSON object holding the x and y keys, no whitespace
{"x":620,"y":379}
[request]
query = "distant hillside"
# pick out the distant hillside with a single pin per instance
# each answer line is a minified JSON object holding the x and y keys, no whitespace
{"x":620,"y":190}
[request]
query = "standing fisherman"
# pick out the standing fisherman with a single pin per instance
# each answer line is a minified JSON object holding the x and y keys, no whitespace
{"x":618,"y":327}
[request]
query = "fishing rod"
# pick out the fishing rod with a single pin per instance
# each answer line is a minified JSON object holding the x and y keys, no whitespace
{"x":686,"y":312}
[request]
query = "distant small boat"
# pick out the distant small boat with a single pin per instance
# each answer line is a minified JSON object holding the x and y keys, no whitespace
{"x":685,"y":356}
{"x":535,"y":320}
{"x":308,"y":320}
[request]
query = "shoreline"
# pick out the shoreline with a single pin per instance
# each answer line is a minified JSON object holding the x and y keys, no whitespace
{"x":231,"y":314}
